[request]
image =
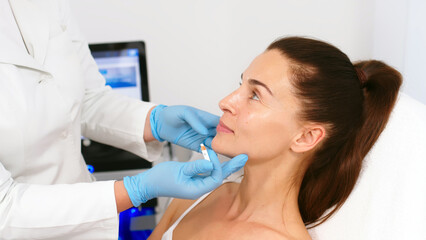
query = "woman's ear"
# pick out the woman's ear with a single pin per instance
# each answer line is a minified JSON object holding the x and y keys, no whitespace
{"x":308,"y":138}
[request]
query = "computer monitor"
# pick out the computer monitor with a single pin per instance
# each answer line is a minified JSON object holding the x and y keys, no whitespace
{"x":124,"y":67}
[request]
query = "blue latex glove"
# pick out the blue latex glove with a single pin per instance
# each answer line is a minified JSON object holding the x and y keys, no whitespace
{"x":181,"y":180}
{"x":184,"y":126}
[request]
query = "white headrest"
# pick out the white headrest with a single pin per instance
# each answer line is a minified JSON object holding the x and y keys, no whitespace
{"x":389,"y":200}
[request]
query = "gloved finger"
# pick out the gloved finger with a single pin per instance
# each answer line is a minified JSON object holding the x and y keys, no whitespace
{"x":197,"y":167}
{"x":200,"y":120}
{"x":216,"y":174}
{"x":215,"y":179}
{"x":212,"y":131}
{"x":207,"y":142}
{"x":234,"y":165}
{"x":194,"y":121}
{"x":209,"y":119}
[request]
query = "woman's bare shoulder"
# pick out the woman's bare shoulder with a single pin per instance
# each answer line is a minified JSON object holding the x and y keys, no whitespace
{"x":254,"y":231}
{"x":178,"y":206}
{"x":172,"y":213}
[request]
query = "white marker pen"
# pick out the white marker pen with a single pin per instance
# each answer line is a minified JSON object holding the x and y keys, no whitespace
{"x":204,"y":151}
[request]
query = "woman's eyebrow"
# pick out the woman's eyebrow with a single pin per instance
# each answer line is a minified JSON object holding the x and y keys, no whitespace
{"x":257,"y":82}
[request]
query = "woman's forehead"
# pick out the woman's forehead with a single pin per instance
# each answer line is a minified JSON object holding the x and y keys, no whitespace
{"x":271,"y":68}
{"x":270,"y":62}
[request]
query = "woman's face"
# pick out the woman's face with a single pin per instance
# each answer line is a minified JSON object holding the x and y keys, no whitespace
{"x":260,"y":117}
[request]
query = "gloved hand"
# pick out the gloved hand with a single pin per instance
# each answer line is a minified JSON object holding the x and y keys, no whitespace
{"x":183,"y":125}
{"x":181,"y":180}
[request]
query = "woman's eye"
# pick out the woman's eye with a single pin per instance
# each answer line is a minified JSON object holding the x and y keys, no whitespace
{"x":254,"y":97}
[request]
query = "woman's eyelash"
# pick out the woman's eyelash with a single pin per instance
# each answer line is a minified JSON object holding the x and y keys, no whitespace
{"x":254,"y":96}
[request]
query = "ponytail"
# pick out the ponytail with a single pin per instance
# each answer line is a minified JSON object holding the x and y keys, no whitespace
{"x":354,"y":103}
{"x":330,"y":185}
{"x":380,"y":93}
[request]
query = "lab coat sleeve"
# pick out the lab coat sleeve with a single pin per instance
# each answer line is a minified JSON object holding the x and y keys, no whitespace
{"x":63,"y":211}
{"x":106,"y":116}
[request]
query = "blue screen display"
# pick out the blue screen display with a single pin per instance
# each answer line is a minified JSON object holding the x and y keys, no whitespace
{"x":121,"y":70}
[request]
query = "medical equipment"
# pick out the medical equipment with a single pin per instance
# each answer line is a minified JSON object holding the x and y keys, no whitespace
{"x":123,"y":65}
{"x":204,"y":151}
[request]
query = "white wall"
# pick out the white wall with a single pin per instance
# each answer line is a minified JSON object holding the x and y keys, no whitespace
{"x":415,"y":51}
{"x":196,"y":50}
{"x":400,"y":40}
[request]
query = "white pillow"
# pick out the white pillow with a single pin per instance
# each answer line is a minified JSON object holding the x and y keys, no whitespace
{"x":389,"y":200}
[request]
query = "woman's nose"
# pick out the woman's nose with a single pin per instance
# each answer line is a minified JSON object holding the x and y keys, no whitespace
{"x":229,"y":103}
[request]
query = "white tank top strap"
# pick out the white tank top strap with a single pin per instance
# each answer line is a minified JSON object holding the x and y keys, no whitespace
{"x":168,"y":235}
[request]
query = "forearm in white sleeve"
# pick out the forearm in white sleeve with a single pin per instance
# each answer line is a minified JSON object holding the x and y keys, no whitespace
{"x":118,"y":121}
{"x":106,"y":116}
{"x":63,"y":211}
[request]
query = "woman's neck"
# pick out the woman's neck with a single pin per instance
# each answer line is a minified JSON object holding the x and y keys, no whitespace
{"x":268,"y":193}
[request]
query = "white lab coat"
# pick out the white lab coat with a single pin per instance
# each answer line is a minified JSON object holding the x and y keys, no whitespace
{"x":50,"y":94}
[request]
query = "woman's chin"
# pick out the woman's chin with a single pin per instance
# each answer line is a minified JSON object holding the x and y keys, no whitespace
{"x":223,"y":148}
{"x":216,"y":146}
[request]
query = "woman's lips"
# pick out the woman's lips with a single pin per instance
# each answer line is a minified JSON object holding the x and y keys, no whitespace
{"x":221,"y":127}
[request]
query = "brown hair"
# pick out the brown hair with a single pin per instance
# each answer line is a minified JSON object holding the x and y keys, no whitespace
{"x":353,"y":101}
